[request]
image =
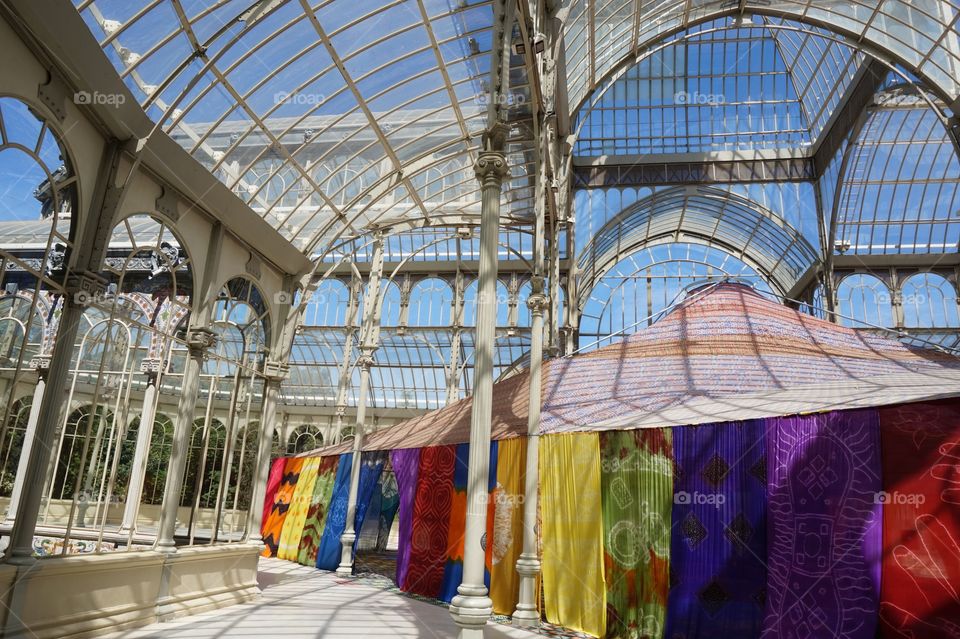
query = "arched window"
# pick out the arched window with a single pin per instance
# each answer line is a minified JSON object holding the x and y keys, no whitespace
{"x":864,"y":300}
{"x":328,"y":304}
{"x":72,"y":465}
{"x":158,"y":459}
{"x":470,"y":304}
{"x":12,"y":444}
{"x":430,"y":302}
{"x":303,"y":439}
{"x":390,"y":306}
{"x":204,"y":464}
{"x":523,"y":311}
{"x":929,"y":301}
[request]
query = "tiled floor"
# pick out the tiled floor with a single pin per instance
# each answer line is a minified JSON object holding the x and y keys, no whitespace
{"x":300,"y":602}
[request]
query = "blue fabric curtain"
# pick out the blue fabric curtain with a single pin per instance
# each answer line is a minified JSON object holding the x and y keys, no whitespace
{"x":369,"y":479}
{"x":328,"y":555}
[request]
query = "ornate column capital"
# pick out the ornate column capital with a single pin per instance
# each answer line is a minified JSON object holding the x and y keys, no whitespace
{"x":275,"y":371}
{"x":491,"y":168}
{"x":538,"y":303}
{"x":365,"y":361}
{"x":41,"y":363}
{"x":199,"y":340}
{"x":83,"y":288}
{"x":150,"y":366}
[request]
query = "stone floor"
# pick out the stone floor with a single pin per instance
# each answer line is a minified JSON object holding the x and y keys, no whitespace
{"x":300,"y":602}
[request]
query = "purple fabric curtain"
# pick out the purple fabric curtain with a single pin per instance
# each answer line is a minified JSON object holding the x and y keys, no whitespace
{"x":718,"y":553}
{"x":824,"y":525}
{"x":406,"y":467}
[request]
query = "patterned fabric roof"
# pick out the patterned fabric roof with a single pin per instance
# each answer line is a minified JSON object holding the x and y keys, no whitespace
{"x":724,"y":340}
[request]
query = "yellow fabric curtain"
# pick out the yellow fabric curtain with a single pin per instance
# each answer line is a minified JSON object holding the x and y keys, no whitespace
{"x":508,"y":524}
{"x":574,"y":591}
{"x":297,"y":515}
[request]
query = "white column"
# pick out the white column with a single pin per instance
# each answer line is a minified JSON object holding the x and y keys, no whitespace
{"x":198,"y":341}
{"x":528,"y":564}
{"x":138,"y":471}
{"x":80,"y":289}
{"x":369,"y":340}
{"x":345,"y":569}
{"x":471,"y":607}
{"x":42,"y":364}
{"x":274,"y":373}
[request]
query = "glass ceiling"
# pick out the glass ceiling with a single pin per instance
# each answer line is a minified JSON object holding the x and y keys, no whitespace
{"x":721,"y":87}
{"x":923,"y":35}
{"x":325,"y":117}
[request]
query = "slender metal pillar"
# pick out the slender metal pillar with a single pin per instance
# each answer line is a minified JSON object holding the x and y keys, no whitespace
{"x":528,"y":564}
{"x":274,"y":373}
{"x":345,"y":569}
{"x":471,"y":607}
{"x":199,"y":339}
{"x":370,"y":340}
{"x":81,"y":288}
{"x":42,"y":365}
{"x":138,"y":470}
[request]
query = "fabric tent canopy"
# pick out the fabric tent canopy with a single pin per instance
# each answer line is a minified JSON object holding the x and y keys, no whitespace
{"x":725,"y":350}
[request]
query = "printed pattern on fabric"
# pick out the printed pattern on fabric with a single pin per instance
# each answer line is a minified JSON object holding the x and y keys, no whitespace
{"x":718,"y":549}
{"x":920,"y":584}
{"x":453,"y":564}
{"x":317,"y":512}
{"x":507,"y":537}
{"x":273,"y":482}
{"x":637,"y":481}
{"x":369,"y":480}
{"x":406,"y":466}
{"x":273,"y":526}
{"x":328,"y":553}
{"x":297,"y":514}
{"x":574,"y":592}
{"x":824,"y":526}
{"x":431,"y":518}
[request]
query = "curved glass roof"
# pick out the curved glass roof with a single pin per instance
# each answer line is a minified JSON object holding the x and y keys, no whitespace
{"x":722,"y":86}
{"x":708,"y":216}
{"x":922,"y":35}
{"x":325,"y":117}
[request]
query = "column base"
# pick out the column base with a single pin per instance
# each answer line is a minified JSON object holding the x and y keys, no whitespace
{"x":165,"y":546}
{"x":526,"y":614}
{"x":345,"y":569}
{"x":470,"y":609}
{"x":20,"y":557}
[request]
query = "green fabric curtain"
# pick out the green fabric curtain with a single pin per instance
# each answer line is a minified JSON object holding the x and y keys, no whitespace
{"x":636,"y":478}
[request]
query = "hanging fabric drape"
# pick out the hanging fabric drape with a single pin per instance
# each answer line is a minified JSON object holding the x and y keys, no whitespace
{"x":273,"y":482}
{"x":389,"y":503}
{"x":824,"y":551}
{"x":572,"y":532}
{"x":289,"y":545}
{"x":507,"y":536}
{"x":453,"y":558}
{"x":273,"y":525}
{"x":431,"y":519}
{"x":491,"y":513}
{"x":920,"y":593}
{"x":317,"y":512}
{"x":718,"y":551}
{"x":406,"y":466}
{"x":369,"y":478}
{"x":328,"y":553}
{"x":637,"y":483}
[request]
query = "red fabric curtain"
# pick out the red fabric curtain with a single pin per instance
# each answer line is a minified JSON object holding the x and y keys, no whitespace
{"x":431,"y":520}
{"x":920,"y":585}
